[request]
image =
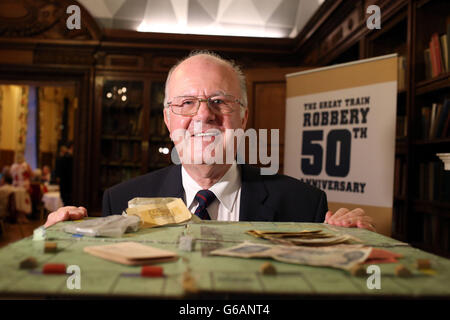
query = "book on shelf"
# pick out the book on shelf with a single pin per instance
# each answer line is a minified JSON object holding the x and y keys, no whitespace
{"x":436,"y":56}
{"x":444,"y":50}
{"x":434,"y":108}
{"x":435,"y":120}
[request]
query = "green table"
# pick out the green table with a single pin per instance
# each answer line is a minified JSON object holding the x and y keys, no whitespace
{"x":215,"y":276}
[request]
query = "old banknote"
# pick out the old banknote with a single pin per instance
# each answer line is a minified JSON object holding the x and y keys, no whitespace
{"x":304,"y":237}
{"x":158,"y":211}
{"x":342,"y":257}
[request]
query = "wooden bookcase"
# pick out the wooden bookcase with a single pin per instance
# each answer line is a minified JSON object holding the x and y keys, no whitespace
{"x":421,"y":201}
{"x":421,"y":213}
{"x":429,"y":196}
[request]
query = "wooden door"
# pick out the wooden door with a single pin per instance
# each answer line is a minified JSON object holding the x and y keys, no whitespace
{"x":266,"y":90}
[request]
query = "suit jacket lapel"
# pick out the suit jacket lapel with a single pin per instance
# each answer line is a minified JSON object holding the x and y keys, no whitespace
{"x":172,"y":185}
{"x":253,"y":196}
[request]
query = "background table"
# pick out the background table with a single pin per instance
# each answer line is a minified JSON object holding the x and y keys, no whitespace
{"x":52,"y":201}
{"x":52,"y":187}
{"x":215,"y":276}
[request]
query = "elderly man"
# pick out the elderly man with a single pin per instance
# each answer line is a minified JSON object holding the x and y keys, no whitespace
{"x":205,"y":97}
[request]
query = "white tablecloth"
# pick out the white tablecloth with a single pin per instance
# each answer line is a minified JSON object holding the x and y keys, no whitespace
{"x":22,"y":200}
{"x":52,"y":201}
{"x":52,"y":187}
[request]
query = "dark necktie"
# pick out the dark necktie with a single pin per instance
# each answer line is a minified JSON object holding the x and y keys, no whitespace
{"x":204,"y":199}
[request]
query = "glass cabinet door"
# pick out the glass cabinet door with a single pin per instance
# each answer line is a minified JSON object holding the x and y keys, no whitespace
{"x":121,"y":131}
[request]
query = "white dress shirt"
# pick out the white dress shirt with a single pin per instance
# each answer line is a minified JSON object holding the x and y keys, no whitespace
{"x":227,"y":191}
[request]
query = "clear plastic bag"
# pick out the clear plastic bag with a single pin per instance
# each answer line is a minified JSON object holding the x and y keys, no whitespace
{"x":111,"y":226}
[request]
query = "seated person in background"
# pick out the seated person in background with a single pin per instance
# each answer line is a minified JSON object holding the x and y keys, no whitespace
{"x":21,"y":173}
{"x":46,"y":174}
{"x":206,"y":90}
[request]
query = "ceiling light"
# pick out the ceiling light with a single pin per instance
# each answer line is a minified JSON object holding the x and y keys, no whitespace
{"x":213,"y":29}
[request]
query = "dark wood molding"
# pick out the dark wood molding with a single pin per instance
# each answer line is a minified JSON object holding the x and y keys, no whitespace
{"x":44,"y":19}
{"x":113,"y":38}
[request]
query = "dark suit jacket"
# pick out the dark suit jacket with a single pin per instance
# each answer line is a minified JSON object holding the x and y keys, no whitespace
{"x":263,"y":197}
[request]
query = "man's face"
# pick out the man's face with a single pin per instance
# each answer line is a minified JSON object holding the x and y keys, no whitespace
{"x":203,"y":76}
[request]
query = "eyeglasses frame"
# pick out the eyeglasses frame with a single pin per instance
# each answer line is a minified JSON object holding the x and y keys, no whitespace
{"x":200,"y":100}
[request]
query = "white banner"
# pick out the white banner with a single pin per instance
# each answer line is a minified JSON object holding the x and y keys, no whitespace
{"x":340,"y":136}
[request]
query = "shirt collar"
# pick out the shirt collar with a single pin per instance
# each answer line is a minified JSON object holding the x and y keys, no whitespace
{"x":225,"y":190}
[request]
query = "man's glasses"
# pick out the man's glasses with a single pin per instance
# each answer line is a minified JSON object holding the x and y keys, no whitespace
{"x":188,"y":106}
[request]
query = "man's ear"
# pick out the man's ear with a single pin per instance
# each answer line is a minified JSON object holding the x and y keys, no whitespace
{"x":244,"y":117}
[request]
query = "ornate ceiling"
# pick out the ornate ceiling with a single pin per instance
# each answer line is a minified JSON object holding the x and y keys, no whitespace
{"x":260,"y":18}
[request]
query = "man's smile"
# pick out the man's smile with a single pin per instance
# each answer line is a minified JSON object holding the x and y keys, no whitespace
{"x":206,"y":134}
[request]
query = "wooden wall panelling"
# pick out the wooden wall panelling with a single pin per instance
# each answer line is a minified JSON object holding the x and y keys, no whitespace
{"x":46,"y":159}
{"x":6,"y":158}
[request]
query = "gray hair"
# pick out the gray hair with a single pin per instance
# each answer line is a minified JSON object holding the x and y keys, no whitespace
{"x":231,"y":63}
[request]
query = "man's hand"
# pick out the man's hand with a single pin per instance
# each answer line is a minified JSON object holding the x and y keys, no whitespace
{"x":346,"y":218}
{"x":65,"y":213}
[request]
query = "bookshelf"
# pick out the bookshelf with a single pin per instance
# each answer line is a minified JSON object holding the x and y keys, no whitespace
{"x":421,"y":200}
{"x":430,"y":196}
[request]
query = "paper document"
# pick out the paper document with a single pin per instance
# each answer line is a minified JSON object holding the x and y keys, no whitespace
{"x":131,"y":253}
